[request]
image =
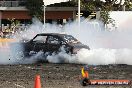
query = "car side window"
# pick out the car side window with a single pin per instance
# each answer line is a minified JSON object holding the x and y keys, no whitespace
{"x":63,"y":43}
{"x":40,"y":39}
{"x":53,"y":40}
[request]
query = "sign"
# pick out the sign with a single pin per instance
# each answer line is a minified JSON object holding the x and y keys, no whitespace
{"x":110,"y":82}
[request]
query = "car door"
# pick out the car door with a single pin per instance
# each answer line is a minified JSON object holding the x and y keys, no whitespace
{"x":53,"y":43}
{"x":39,"y":43}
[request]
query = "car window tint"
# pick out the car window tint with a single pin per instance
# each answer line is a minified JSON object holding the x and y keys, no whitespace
{"x":63,"y":43}
{"x":40,"y":39}
{"x":53,"y":40}
{"x":70,"y":39}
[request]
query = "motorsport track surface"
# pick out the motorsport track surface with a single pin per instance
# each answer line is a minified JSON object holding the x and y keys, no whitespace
{"x":60,"y":75}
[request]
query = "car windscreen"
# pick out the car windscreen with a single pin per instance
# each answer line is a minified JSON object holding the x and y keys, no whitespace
{"x":70,"y":39}
{"x":40,"y":39}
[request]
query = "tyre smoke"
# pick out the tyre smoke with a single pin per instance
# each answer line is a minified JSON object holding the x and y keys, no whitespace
{"x":107,"y":46}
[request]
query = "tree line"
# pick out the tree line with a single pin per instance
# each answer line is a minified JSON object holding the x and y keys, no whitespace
{"x":35,"y":7}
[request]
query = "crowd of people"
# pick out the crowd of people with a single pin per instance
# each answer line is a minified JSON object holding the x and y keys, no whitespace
{"x":8,"y":32}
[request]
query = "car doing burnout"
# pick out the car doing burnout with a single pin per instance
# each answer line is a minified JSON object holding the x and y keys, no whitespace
{"x":52,"y":43}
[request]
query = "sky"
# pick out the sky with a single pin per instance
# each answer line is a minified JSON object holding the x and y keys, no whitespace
{"x":117,"y":1}
{"x":48,"y":2}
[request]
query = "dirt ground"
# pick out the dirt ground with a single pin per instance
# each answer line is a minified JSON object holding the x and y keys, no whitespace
{"x":60,"y":75}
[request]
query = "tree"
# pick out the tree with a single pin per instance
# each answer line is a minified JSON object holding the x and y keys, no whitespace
{"x":35,"y":8}
{"x":105,"y":7}
{"x":14,"y":25}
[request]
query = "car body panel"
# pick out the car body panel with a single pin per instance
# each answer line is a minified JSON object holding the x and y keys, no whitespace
{"x":52,"y":42}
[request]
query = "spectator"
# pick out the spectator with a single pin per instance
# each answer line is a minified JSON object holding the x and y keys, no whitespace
{"x":1,"y":34}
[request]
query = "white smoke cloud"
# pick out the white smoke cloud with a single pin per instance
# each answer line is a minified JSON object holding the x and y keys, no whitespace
{"x":105,"y":56}
{"x":107,"y":47}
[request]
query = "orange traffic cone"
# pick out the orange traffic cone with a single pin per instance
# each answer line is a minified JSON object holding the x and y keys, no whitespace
{"x":37,"y":82}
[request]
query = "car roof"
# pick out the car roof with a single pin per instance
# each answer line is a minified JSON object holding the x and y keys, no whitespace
{"x":53,"y":34}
